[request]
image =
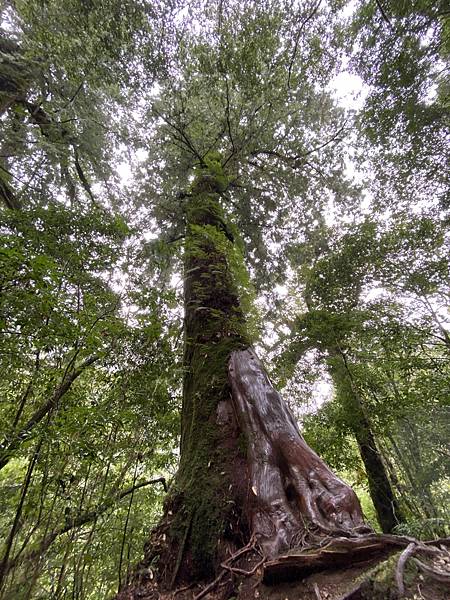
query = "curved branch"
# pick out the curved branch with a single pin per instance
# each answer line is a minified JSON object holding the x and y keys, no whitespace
{"x":82,"y":519}
{"x":40,"y":413}
{"x":409,"y":551}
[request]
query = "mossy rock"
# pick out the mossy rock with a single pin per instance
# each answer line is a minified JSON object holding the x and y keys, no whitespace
{"x":378,"y":583}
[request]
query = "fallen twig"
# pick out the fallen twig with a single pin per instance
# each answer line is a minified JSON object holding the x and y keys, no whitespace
{"x":210,"y":586}
{"x":410,"y":549}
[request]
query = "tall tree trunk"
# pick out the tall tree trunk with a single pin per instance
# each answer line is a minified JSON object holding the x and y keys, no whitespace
{"x":386,"y":506}
{"x":245,"y":471}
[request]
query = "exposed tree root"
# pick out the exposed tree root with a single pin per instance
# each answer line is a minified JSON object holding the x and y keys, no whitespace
{"x":342,"y":552}
{"x":338,"y":552}
{"x":243,"y":571}
{"x":291,"y":489}
{"x":409,"y":551}
{"x":226,"y":566}
{"x":302,"y":518}
{"x":247,"y":572}
{"x":436,"y":574}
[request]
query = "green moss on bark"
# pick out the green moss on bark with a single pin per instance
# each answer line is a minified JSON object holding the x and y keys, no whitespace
{"x":214,"y":287}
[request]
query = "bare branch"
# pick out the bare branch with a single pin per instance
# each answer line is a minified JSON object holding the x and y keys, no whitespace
{"x":383,"y":13}
{"x":181,"y":132}
{"x":295,"y":160}
{"x":227,"y":111}
{"x":84,"y":182}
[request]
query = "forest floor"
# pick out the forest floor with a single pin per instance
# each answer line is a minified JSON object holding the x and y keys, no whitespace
{"x":375,"y":579}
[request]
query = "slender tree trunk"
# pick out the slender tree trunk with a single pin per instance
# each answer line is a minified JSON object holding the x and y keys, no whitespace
{"x":245,"y":471}
{"x":383,"y":497}
{"x":386,"y":506}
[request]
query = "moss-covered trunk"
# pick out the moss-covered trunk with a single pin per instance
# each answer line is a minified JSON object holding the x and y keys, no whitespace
{"x":212,"y":465}
{"x":245,"y":471}
{"x":385,"y":503}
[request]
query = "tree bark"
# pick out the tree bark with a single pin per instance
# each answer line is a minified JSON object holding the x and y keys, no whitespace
{"x":245,"y":471}
{"x":290,"y":489}
{"x":385,"y":503}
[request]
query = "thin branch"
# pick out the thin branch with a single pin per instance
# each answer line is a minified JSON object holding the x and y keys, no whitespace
{"x":82,"y":519}
{"x":210,"y":586}
{"x":77,"y":91}
{"x":83,"y":179}
{"x":181,"y":132}
{"x":4,"y":565}
{"x":227,"y":112}
{"x":297,"y":39}
{"x":334,"y":138}
{"x":294,"y":160}
{"x":383,"y":13}
{"x":40,"y":413}
{"x":127,"y":519}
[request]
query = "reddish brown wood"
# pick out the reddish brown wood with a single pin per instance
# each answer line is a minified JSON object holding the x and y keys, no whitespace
{"x":337,"y":552}
{"x":290,"y":489}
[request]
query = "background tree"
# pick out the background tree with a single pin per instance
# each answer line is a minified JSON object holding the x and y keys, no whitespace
{"x":370,"y":343}
{"x":83,"y":345}
{"x":401,"y":51}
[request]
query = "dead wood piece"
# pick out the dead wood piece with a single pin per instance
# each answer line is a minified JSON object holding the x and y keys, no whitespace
{"x":317,"y":591}
{"x":440,"y":576}
{"x":409,"y":551}
{"x":298,"y":564}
